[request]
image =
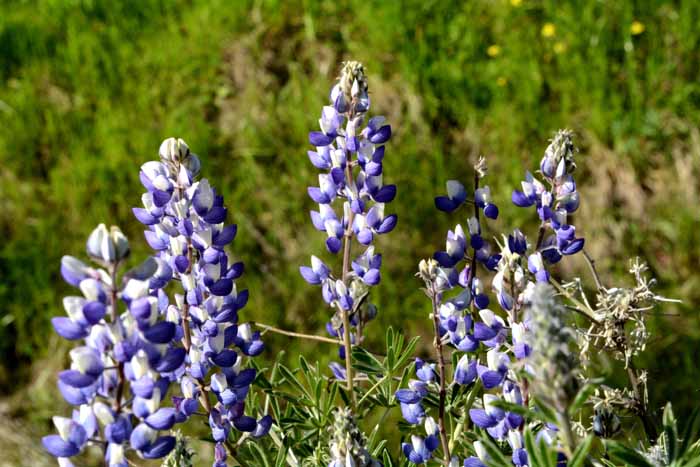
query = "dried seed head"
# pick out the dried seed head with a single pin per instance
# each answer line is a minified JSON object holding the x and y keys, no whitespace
{"x":347,"y":445}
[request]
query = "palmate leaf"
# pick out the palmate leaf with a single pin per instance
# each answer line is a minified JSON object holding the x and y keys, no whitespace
{"x":292,"y":379}
{"x":406,"y":353}
{"x":366,"y":362}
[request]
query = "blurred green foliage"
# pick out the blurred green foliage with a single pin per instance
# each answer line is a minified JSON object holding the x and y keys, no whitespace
{"x":89,"y":89}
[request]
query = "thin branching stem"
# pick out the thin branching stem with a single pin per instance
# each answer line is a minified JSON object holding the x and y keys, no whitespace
{"x":284,"y":332}
{"x":594,"y":271}
{"x":581,"y":308}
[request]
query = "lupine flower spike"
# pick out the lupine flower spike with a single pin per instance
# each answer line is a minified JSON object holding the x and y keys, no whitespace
{"x":352,"y":204}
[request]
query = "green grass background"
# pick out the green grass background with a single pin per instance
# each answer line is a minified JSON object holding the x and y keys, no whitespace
{"x":89,"y":89}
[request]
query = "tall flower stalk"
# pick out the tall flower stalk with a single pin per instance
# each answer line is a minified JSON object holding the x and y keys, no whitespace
{"x":350,"y":157}
{"x":186,"y":226}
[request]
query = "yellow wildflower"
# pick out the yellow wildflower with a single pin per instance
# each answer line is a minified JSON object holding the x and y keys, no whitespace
{"x":493,"y":50}
{"x":501,"y":81}
{"x":549,"y":30}
{"x":637,"y":27}
{"x":516,"y":2}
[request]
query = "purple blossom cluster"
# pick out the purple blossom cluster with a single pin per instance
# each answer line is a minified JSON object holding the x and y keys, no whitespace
{"x":133,"y":358}
{"x":121,"y":372}
{"x":555,"y":199}
{"x":350,"y":154}
{"x":464,"y":320}
{"x":454,"y":269}
{"x":186,"y":226}
{"x":420,"y":449}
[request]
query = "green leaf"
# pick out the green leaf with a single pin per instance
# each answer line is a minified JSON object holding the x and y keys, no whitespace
{"x":629,"y":456}
{"x":691,"y":431}
{"x":391,"y":348}
{"x":281,"y":460}
{"x":406,"y":353}
{"x":293,"y":380}
{"x":259,"y":451}
{"x":530,"y":446}
{"x":670,"y":438}
{"x":579,"y":455}
{"x":304,"y":365}
{"x":365,"y":361}
{"x":388,"y":462}
{"x":546,"y":454}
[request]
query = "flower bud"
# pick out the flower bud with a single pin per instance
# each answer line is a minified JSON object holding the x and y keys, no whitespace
{"x":121,"y":243}
{"x":107,"y":246}
{"x":173,"y":150}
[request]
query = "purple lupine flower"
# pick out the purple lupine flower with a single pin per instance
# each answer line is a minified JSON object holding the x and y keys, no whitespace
{"x":454,"y":250}
{"x":317,"y":273}
{"x":521,"y":346}
{"x":482,"y":198}
{"x":425,"y":371}
{"x":456,"y":196}
{"x":410,"y":401}
{"x":493,"y":374}
{"x":219,"y":455}
{"x":535,"y":264}
{"x":465,"y":372}
{"x":350,"y":156}
{"x":186,"y":220}
{"x":69,"y":441}
{"x":416,"y":391}
{"x":553,"y":206}
{"x":125,"y":359}
{"x":420,"y":450}
{"x":367,"y":266}
{"x":413,"y":413}
{"x":480,"y":458}
{"x":489,"y":416}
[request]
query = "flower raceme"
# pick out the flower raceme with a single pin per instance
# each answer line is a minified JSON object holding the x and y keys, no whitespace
{"x":126,"y":361}
{"x":463,"y":318}
{"x":131,"y":359}
{"x":351,"y":195}
{"x":186,"y":221}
